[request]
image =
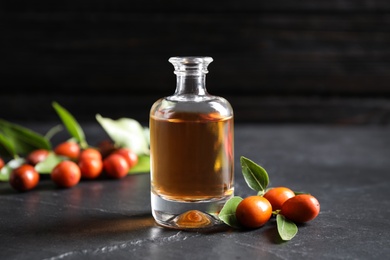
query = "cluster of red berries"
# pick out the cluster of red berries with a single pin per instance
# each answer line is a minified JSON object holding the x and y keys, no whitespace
{"x":78,"y":164}
{"x":255,"y":211}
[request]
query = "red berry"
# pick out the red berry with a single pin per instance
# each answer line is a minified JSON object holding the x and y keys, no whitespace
{"x":116,"y":166}
{"x":301,"y":208}
{"x":68,"y":149}
{"x":106,"y":147}
{"x":66,"y":174}
{"x":253,"y":211}
{"x":90,"y":153}
{"x":37,"y":156}
{"x":1,"y":163}
{"x":278,"y":196}
{"x":24,"y":178}
{"x":130,"y":156}
{"x":90,"y":167}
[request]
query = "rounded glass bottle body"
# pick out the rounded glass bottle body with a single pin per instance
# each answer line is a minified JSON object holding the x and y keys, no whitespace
{"x":192,"y":150}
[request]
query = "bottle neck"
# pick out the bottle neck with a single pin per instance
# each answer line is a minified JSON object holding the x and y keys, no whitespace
{"x":190,"y":77}
{"x":191,"y":85}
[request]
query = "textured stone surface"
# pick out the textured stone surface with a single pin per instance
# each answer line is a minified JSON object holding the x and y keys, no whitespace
{"x":346,"y":168}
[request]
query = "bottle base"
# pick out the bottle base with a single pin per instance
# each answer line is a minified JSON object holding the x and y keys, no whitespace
{"x":187,"y":215}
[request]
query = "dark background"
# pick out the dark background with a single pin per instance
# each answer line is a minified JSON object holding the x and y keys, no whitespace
{"x":280,"y":61}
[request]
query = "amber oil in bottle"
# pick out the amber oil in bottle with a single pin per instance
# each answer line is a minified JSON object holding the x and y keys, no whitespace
{"x":192,"y":150}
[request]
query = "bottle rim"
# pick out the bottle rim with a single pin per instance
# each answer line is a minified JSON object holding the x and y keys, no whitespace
{"x":190,"y":65}
{"x":191,"y":59}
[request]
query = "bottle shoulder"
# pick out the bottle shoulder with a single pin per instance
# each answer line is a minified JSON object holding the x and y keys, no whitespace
{"x":169,"y":107}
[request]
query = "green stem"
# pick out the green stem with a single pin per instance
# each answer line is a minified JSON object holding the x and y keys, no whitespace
{"x":84,"y":144}
{"x":53,"y":131}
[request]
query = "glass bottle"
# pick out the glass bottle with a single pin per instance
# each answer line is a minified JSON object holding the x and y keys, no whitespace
{"x":192,"y":150}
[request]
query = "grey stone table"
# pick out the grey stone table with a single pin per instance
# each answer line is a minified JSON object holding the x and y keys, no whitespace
{"x":346,"y":168}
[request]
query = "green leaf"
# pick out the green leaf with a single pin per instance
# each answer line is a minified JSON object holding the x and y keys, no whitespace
{"x":126,"y":132}
{"x":23,"y":139}
{"x":142,"y":166}
{"x":49,"y":163}
{"x":6,"y":171}
{"x":6,"y":147}
{"x":228,"y":212}
{"x":255,"y":176}
{"x":71,"y":124}
{"x":286,"y":228}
